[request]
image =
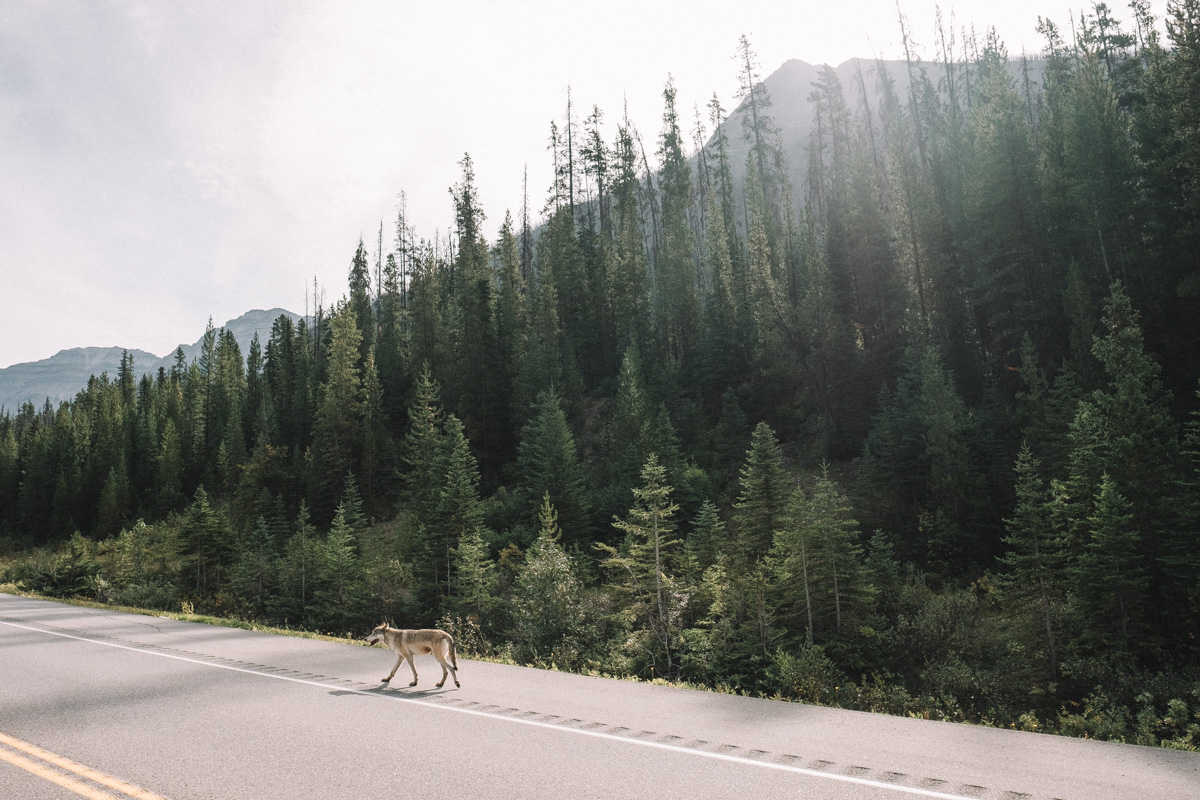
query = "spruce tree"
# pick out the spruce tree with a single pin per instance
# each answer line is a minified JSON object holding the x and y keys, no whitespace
{"x":707,"y":543}
{"x":1125,"y":431}
{"x":337,"y":595}
{"x":644,"y":564}
{"x":360,"y":301}
{"x":458,"y":512}
{"x":1110,"y":580}
{"x":208,"y":544}
{"x":762,"y":502}
{"x":547,"y":598}
{"x":420,"y":454}
{"x":392,"y":349}
{"x":816,"y":558}
{"x":337,"y":432}
{"x":549,"y":465}
{"x":1034,"y":556}
{"x":628,"y":290}
{"x":474,"y":582}
{"x":677,"y":310}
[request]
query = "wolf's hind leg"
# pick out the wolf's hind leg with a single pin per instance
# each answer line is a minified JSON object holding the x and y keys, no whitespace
{"x":413,"y":666}
{"x":447,"y":668}
{"x":443,"y":680}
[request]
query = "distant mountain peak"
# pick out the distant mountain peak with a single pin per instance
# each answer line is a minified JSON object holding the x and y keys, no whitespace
{"x":66,"y":373}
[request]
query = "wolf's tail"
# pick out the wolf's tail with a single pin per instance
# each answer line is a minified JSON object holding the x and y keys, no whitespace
{"x":453,"y":652}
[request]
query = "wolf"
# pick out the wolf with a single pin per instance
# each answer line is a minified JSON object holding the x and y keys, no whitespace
{"x":406,"y":644}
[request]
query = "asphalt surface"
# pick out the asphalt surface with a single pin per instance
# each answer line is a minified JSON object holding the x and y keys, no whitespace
{"x":126,"y":705}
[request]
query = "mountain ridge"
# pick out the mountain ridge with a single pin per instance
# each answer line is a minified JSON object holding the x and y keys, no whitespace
{"x":64,"y":374}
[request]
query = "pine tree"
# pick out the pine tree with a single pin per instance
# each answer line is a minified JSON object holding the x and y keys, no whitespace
{"x":1002,"y":199}
{"x":759,"y":131}
{"x":547,"y":610}
{"x":421,"y":444}
{"x":208,"y":544}
{"x":729,"y":439}
{"x":337,"y":594}
{"x":1110,"y":581}
{"x":764,"y":494}
{"x":722,"y":352}
{"x":9,"y":475}
{"x":378,"y":450}
{"x":1034,"y":557}
{"x":511,"y":311}
{"x":253,"y":413}
{"x":629,"y":291}
{"x":956,"y":490}
{"x":817,"y":553}
{"x":360,"y":302}
{"x":474,"y":582}
{"x":391,"y":353}
{"x":299,"y":568}
{"x":559,"y":256}
{"x":675,"y":285}
{"x":255,"y":572}
{"x":628,"y":432}
{"x":644,"y":564}
{"x":1125,"y":431}
{"x":707,"y":543}
{"x":474,"y":384}
{"x":337,"y":433}
{"x":828,"y":356}
{"x":428,"y":327}
{"x":458,"y":512}
{"x":1167,"y":126}
{"x":549,"y":465}
{"x":542,"y":366}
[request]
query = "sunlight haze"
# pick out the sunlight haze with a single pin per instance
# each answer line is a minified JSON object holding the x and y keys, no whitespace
{"x":163,"y":164}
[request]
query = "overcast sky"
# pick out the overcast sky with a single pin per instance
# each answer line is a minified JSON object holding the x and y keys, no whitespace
{"x":164,"y":162}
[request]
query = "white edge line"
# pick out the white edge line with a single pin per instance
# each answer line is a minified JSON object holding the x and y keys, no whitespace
{"x":597,"y":734}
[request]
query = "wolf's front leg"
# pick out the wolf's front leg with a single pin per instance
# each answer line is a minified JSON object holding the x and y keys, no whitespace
{"x":414,"y":669}
{"x":393,"y":672}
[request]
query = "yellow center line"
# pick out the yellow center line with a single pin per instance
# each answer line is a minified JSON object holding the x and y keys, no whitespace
{"x":126,"y":789}
{"x":66,"y":781}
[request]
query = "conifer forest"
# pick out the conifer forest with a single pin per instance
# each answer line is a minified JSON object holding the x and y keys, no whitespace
{"x":912,"y":426}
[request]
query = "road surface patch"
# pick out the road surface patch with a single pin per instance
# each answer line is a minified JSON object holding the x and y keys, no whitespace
{"x":80,"y":779}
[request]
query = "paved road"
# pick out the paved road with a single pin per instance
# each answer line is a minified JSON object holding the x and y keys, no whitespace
{"x":126,"y":705}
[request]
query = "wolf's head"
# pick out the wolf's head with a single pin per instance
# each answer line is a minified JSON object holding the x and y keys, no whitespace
{"x":377,"y":634}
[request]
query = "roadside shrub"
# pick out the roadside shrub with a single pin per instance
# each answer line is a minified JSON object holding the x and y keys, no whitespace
{"x":1097,"y":718}
{"x":808,"y":676}
{"x":151,"y":595}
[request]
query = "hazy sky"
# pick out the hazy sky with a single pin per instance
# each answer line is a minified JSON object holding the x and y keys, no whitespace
{"x":164,"y":162}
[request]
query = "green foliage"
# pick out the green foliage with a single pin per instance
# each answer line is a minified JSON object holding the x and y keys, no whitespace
{"x":337,"y":430}
{"x":679,"y":355}
{"x":809,"y":676}
{"x":548,"y":462}
{"x":817,"y":565}
{"x":764,"y":492}
{"x":643,"y":570}
{"x":208,"y":544}
{"x":473,"y":586}
{"x":338,"y":571}
{"x":1035,"y":557}
{"x":548,"y":612}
